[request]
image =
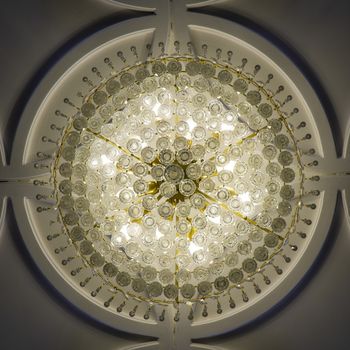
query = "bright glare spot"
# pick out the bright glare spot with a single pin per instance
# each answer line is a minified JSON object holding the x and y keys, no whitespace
{"x":105,"y":160}
{"x":230,"y":165}
{"x":244,"y":197}
{"x":216,"y":220}
{"x":156,"y":108}
{"x":158,"y":234}
{"x":124,"y":231}
{"x":191,"y":124}
{"x":226,"y":127}
{"x":193,"y":247}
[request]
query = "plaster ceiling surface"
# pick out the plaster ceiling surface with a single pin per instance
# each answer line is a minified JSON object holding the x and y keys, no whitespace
{"x":315,"y":313}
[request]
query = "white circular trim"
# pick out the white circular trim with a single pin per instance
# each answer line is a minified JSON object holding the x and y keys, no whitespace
{"x":208,"y":327}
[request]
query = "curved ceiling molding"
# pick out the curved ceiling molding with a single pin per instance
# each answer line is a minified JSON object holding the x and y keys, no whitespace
{"x":136,"y":5}
{"x":174,"y":178}
{"x":346,"y":174}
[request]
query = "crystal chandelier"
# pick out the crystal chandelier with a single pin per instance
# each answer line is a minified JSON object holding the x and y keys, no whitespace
{"x":178,"y":180}
{"x":171,"y":185}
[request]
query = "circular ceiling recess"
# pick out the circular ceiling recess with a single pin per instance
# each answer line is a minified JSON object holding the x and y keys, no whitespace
{"x":173,"y":182}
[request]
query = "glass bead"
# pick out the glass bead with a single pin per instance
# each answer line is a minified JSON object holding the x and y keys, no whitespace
{"x":127,"y":79}
{"x":149,"y":84}
{"x":95,"y":124}
{"x":148,"y":257}
{"x":174,"y":67}
{"x":184,"y":157}
{"x":165,"y":242}
{"x":183,"y":210}
{"x":271,"y":240}
{"x":88,"y":110}
{"x":193,"y":68}
{"x":256,"y":122}
{"x":225,"y":77}
{"x":216,"y":268}
{"x":204,"y":288}
{"x":275,"y":125}
{"x":65,"y":169}
{"x":235,"y":276}
{"x":201,"y":84}
{"x":281,"y":141}
{"x":284,"y":208}
{"x":287,"y":175}
{"x":138,"y":285}
{"x":230,"y":241}
{"x":249,"y":265}
{"x":199,"y":222}
{"x":231,"y":259}
{"x":200,"y":256}
{"x":110,"y":270}
{"x":97,"y":260}
{"x":187,"y":291}
{"x":207,"y":70}
{"x":198,"y":151}
{"x":261,"y":254}
{"x":285,"y":158}
{"x":240,"y":168}
{"x":269,"y":152}
{"x":200,"y":273}
{"x":113,"y":86}
{"x":183,"y":81}
{"x":199,"y":133}
{"x":199,"y":116}
{"x":82,"y":204}
{"x":123,"y":279}
{"x":287,"y":192}
{"x":199,"y":100}
{"x":165,"y":210}
{"x":255,"y":235}
{"x":193,"y":171}
{"x":187,"y":187}
{"x":171,"y":291}
{"x":80,"y":123}
{"x":240,"y":85}
{"x":253,"y":97}
{"x":278,"y":224}
{"x":86,"y":248}
{"x":65,"y":187}
{"x":68,"y":153}
{"x":167,"y":189}
{"x":199,"y":239}
{"x":244,"y":247}
{"x":158,"y":68}
{"x":141,"y":74}
{"x":215,"y":250}
{"x":99,"y":98}
{"x":162,"y":143}
{"x":265,"y":110}
{"x":76,"y":234}
{"x":273,"y":169}
{"x":132,"y":249}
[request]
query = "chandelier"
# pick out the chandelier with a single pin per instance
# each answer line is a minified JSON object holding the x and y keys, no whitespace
{"x":177,"y":182}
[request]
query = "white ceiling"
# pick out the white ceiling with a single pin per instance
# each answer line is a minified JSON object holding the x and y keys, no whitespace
{"x":318,"y":314}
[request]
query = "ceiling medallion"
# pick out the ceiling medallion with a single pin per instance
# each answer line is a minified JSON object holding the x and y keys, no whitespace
{"x":174,"y":185}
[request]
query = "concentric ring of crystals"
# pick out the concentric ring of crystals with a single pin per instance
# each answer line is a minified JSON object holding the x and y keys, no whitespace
{"x":177,"y":179}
